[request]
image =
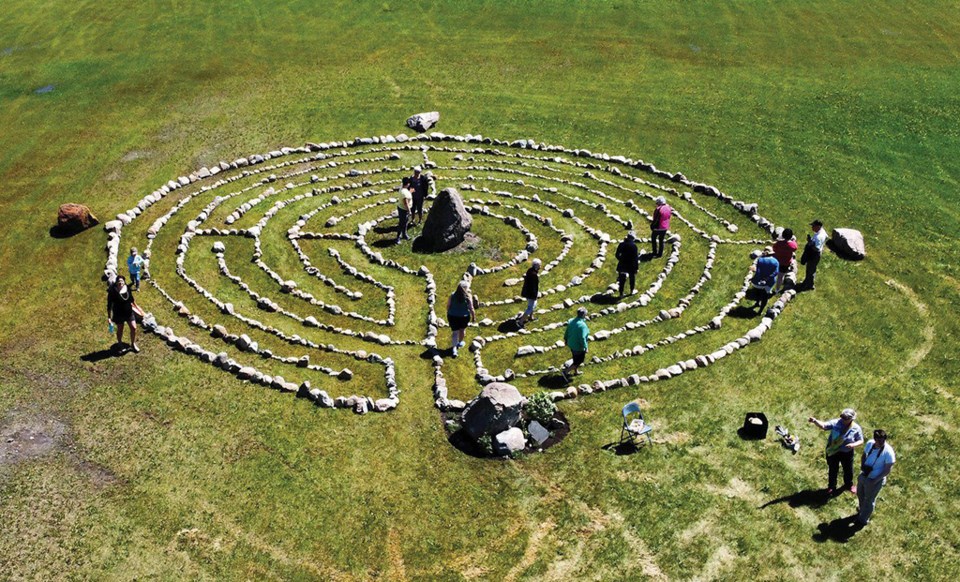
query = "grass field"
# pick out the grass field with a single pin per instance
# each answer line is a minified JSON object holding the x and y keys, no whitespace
{"x":157,"y":466}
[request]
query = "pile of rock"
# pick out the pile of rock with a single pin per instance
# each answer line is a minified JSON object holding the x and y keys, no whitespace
{"x":497,"y":413}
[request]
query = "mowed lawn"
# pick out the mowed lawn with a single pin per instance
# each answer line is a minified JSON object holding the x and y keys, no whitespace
{"x":156,"y":466}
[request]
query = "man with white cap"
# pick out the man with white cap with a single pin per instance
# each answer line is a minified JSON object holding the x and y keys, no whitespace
{"x":812,"y":253}
{"x":845,"y":436}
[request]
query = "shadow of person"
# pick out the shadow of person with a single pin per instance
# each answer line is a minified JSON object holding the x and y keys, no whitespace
{"x":509,"y":325}
{"x":743,"y":312}
{"x":114,"y":351}
{"x":384,"y":243}
{"x":553,"y":381}
{"x":604,"y":299}
{"x":386,"y":229}
{"x":621,"y":449}
{"x":812,"y":498}
{"x":647,"y":257}
{"x":839,"y":530}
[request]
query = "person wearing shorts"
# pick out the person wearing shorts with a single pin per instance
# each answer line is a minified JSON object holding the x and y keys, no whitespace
{"x":784,"y":250}
{"x":121,"y":309}
{"x":530,"y":291}
{"x":134,"y":265}
{"x":460,"y":312}
{"x":576,"y":339}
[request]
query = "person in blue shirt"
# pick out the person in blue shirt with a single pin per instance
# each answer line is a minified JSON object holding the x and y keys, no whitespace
{"x":134,"y":265}
{"x":845,"y":436}
{"x":765,"y":278}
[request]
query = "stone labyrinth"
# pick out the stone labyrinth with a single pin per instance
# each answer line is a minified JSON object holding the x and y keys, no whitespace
{"x":280,"y":269}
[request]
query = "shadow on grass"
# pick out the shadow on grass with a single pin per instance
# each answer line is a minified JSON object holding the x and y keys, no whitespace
{"x":812,"y":498}
{"x":386,"y":229}
{"x":114,"y":351}
{"x":58,"y":231}
{"x":839,"y":530}
{"x":604,"y":299}
{"x":508,"y":326}
{"x":622,"y":449}
{"x":743,"y":312}
{"x":384,"y":243}
{"x":555,"y":380}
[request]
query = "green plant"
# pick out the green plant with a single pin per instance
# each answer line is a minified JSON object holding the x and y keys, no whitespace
{"x":540,"y":407}
{"x":486,"y":443}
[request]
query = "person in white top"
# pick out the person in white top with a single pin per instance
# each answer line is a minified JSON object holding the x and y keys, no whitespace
{"x":812,"y":253}
{"x":404,"y":204}
{"x":875,"y":464}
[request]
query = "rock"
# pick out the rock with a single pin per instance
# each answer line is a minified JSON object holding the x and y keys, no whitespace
{"x":509,"y":441}
{"x":345,"y":374}
{"x":73,"y":218}
{"x":496,"y":409}
{"x":421,"y":122}
{"x":538,"y":433}
{"x":446,"y":224}
{"x":848,"y":243}
{"x":218,"y":247}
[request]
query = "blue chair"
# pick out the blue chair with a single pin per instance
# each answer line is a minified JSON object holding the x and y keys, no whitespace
{"x":634,"y":426}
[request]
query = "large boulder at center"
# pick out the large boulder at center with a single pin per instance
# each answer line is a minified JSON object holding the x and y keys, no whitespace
{"x":446,"y":224}
{"x":848,"y":243}
{"x":495,"y":410}
{"x":72,"y":218}
{"x":421,"y":122}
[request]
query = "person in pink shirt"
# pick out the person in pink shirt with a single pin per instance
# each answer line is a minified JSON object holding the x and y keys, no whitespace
{"x":659,"y":225}
{"x":784,"y":250}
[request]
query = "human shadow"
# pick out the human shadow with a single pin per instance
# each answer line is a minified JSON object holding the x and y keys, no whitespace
{"x":114,"y":351}
{"x":604,"y":299}
{"x":839,"y":530}
{"x":384,"y":243}
{"x":386,"y":229}
{"x":812,"y":498}
{"x":555,"y":380}
{"x":509,"y":326}
{"x":428,"y":353}
{"x":647,"y":257}
{"x":743,"y":312}
{"x":622,"y":449}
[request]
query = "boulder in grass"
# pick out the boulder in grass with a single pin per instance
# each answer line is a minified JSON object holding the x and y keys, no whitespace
{"x":509,"y":441}
{"x":848,"y":243}
{"x":446,"y":225}
{"x":495,"y":410}
{"x":421,"y":122}
{"x":73,"y":218}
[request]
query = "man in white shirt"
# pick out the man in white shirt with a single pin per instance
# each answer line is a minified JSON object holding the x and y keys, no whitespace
{"x":812,"y":253}
{"x":875,"y":464}
{"x":404,"y":204}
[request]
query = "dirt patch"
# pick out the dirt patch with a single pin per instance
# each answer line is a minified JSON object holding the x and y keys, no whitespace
{"x":28,"y":435}
{"x":929,"y":331}
{"x":136,"y":155}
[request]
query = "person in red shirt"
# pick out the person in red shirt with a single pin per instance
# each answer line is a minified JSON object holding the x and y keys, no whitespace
{"x":784,"y":250}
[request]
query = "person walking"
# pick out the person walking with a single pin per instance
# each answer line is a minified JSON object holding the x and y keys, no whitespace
{"x":765,"y":277}
{"x":530,"y":291}
{"x":134,"y":266}
{"x":121,"y":310}
{"x":418,"y":185}
{"x":628,"y":260}
{"x":845,"y":436}
{"x":460,"y":313}
{"x":876,"y":463}
{"x":784,"y":250}
{"x":404,"y":204}
{"x":659,"y":225}
{"x":576,"y":339}
{"x":812,"y":252}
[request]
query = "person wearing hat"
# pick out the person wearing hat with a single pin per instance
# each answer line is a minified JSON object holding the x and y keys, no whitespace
{"x":875,"y":464}
{"x":418,"y":185}
{"x":812,"y":253}
{"x":845,"y":436}
{"x":765,"y":277}
{"x":659,"y":225}
{"x":628,"y":259}
{"x":575,"y":337}
{"x":404,"y":203}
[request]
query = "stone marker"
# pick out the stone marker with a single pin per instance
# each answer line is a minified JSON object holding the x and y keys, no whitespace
{"x":496,"y":409}
{"x":73,"y":218}
{"x":538,"y":432}
{"x":421,"y":122}
{"x":848,"y":243}
{"x":446,"y":224}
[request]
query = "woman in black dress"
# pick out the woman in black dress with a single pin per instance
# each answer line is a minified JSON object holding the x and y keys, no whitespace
{"x":121,"y":309}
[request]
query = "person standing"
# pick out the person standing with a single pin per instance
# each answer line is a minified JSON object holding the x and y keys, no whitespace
{"x":404,"y":204}
{"x":765,"y":277}
{"x":134,"y":266}
{"x":530,"y":291}
{"x":812,"y":253}
{"x":121,"y":307}
{"x":784,"y":250}
{"x":659,"y":225}
{"x":460,"y":312}
{"x":628,"y":259}
{"x":845,"y":436}
{"x":576,"y":339}
{"x":875,"y":464}
{"x":418,"y":186}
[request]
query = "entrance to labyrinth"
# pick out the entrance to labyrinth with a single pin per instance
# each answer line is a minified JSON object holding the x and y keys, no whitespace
{"x":281,"y":269}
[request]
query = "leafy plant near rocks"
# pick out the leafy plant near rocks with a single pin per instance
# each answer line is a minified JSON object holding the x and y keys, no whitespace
{"x":540,"y":407}
{"x":486,"y":443}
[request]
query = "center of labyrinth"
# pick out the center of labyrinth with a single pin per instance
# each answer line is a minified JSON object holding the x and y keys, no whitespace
{"x":283,"y":269}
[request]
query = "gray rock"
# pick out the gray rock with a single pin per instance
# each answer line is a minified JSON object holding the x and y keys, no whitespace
{"x":496,"y":409}
{"x":446,"y":224}
{"x":421,"y":122}
{"x":538,"y":433}
{"x":345,"y":374}
{"x":509,"y":441}
{"x":848,"y":243}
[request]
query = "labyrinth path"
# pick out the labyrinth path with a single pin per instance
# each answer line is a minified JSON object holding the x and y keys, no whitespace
{"x":280,"y":269}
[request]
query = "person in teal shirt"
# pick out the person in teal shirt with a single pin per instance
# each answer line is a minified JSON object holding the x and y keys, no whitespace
{"x":576,"y":339}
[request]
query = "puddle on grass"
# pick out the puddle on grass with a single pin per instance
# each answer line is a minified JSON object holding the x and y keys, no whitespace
{"x":44,"y":90}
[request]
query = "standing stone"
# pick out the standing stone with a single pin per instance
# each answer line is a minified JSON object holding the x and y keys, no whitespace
{"x":496,"y":409}
{"x":446,"y":224}
{"x":848,"y":243}
{"x":72,"y":218}
{"x":421,"y":122}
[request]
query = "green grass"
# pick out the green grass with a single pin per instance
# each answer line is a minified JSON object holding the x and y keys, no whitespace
{"x":171,"y":469}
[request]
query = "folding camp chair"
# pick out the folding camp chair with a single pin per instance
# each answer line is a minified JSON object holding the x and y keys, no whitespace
{"x":634,"y":426}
